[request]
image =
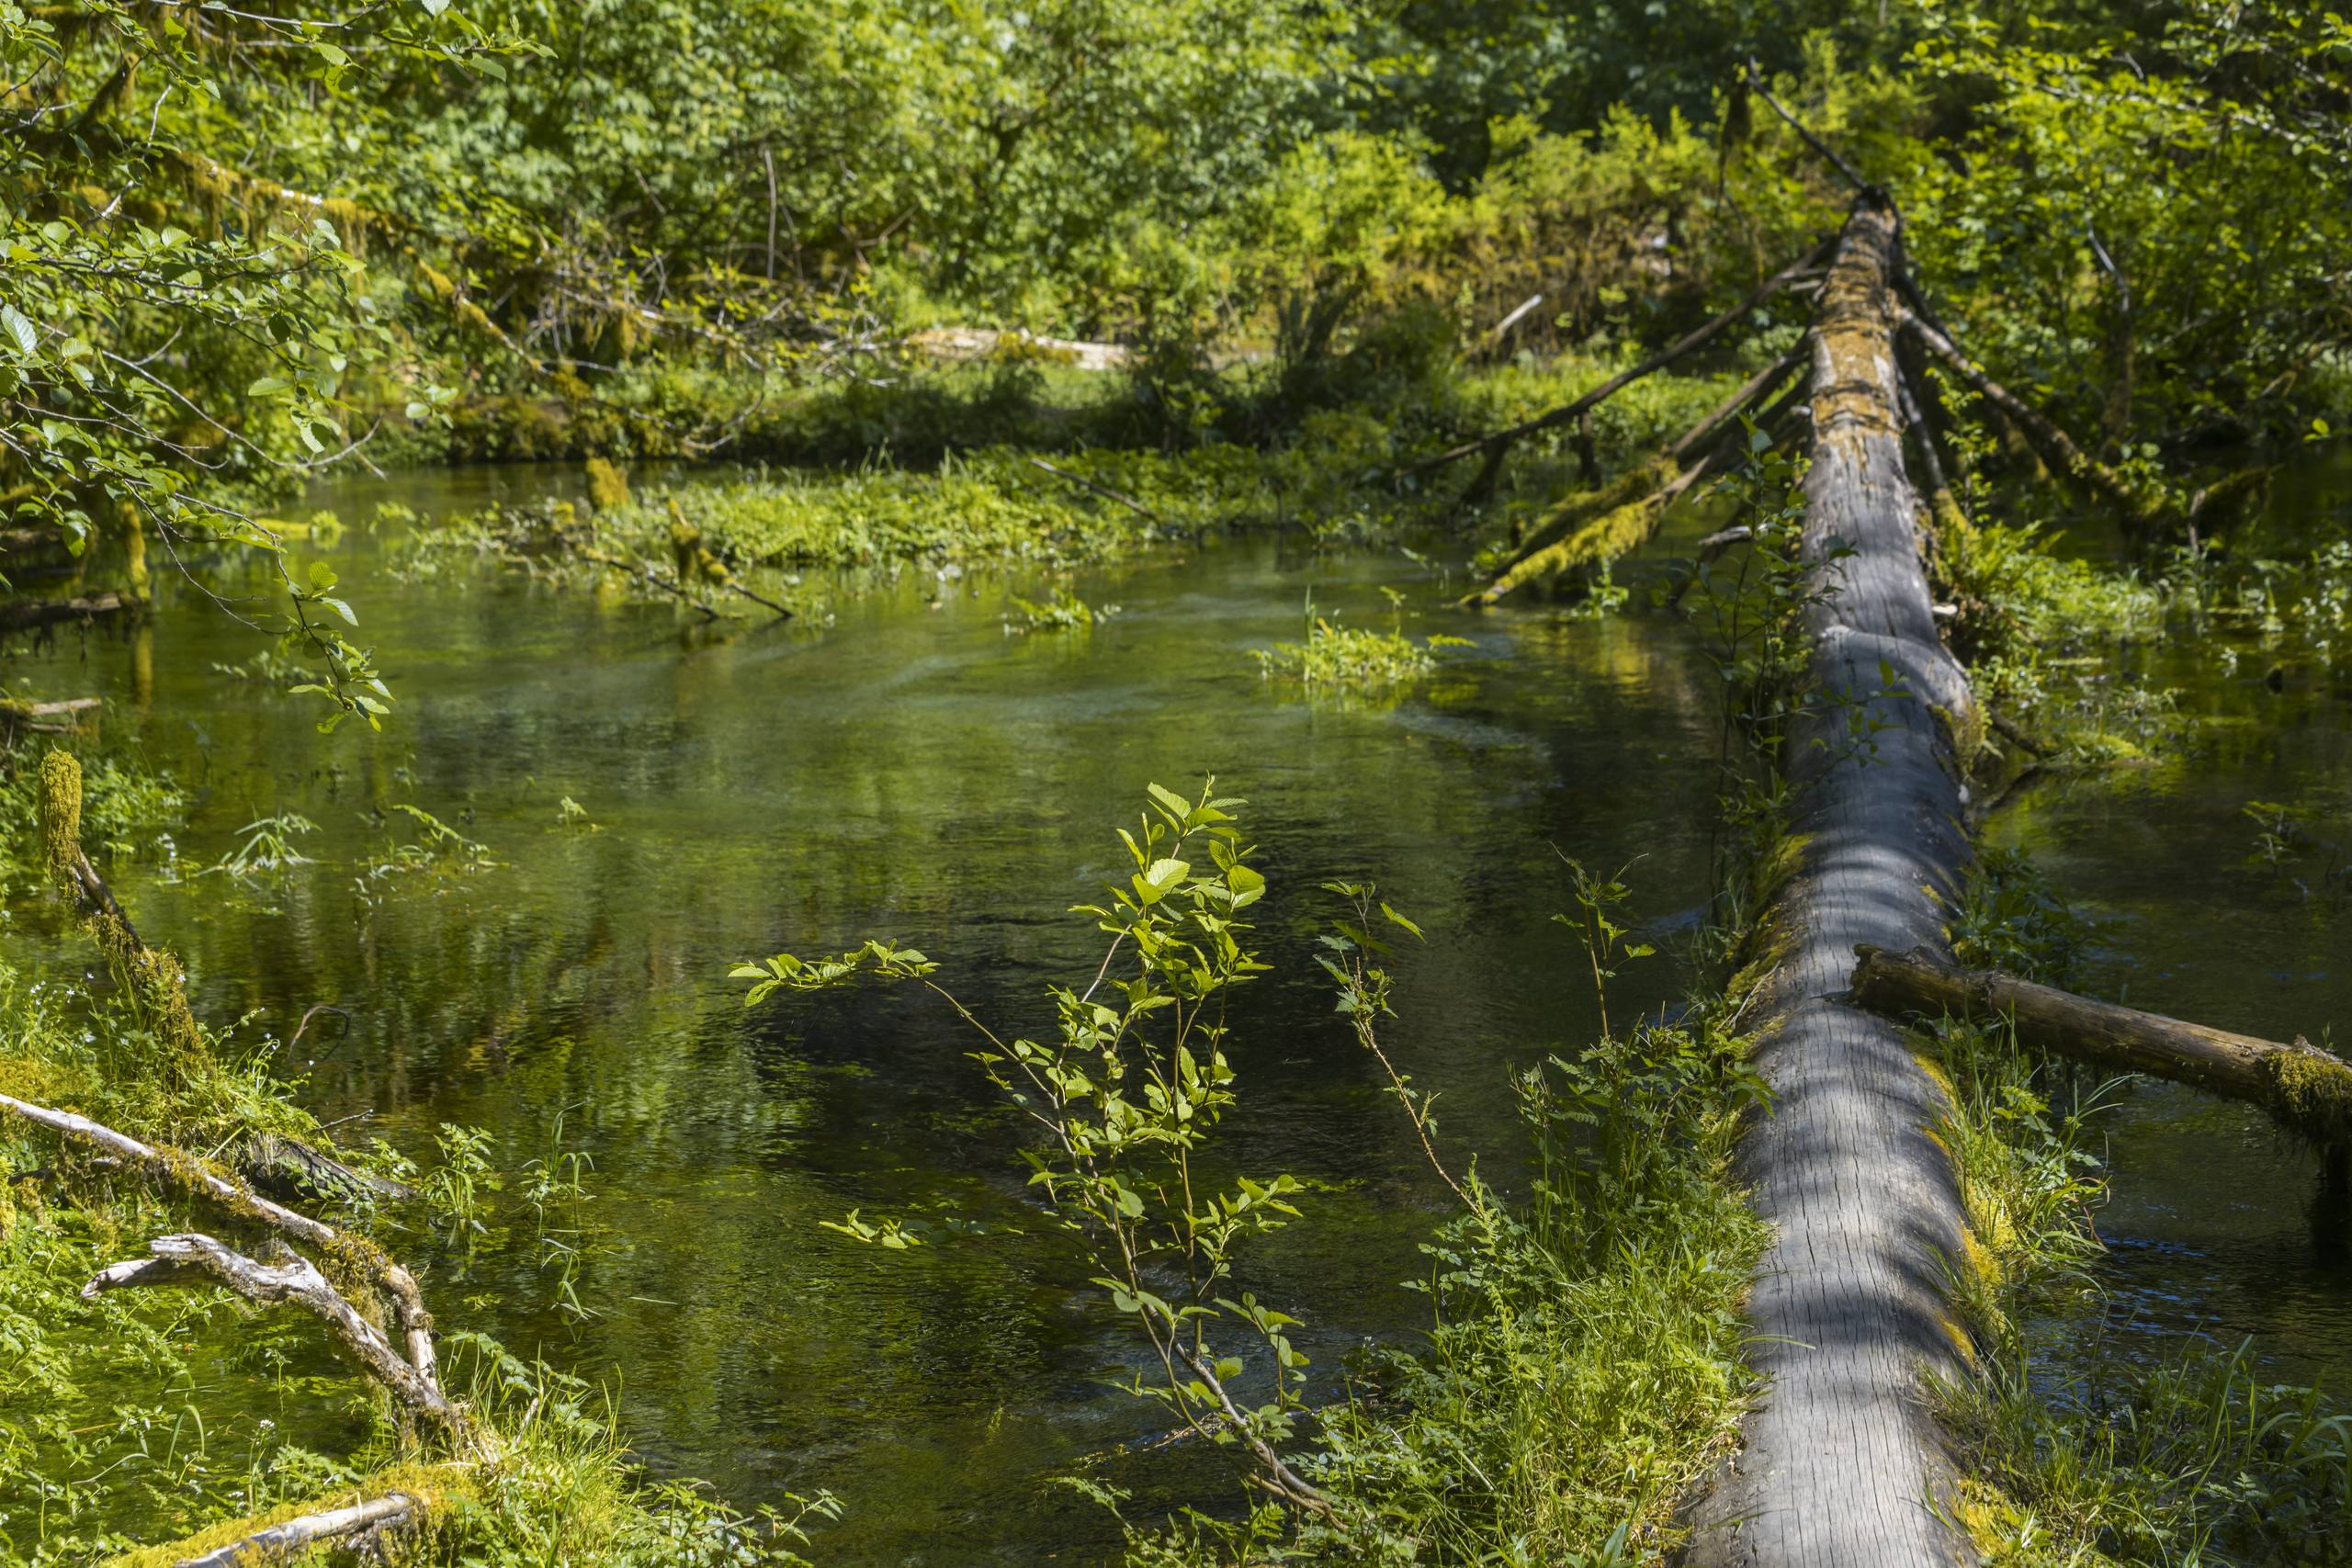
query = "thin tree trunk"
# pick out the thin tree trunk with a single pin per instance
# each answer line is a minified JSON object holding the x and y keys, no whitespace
{"x":2304,"y":1089}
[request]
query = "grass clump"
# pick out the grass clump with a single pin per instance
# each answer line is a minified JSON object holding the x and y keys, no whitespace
{"x":1335,"y":657}
{"x":1060,"y":612}
{"x":1586,"y":1363}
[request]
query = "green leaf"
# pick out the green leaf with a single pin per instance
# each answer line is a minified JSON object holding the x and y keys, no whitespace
{"x":28,"y":339}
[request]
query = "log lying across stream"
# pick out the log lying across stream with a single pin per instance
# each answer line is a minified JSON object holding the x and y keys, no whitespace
{"x":1842,"y":1466}
{"x":2305,"y":1089}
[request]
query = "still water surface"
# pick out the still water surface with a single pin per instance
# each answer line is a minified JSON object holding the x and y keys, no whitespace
{"x":913,"y":772}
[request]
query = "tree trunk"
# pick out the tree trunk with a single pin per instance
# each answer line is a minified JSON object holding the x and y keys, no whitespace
{"x":1842,"y":1466}
{"x":2305,"y":1088}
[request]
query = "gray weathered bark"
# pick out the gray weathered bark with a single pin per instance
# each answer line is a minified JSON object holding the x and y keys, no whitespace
{"x":1842,"y":1467}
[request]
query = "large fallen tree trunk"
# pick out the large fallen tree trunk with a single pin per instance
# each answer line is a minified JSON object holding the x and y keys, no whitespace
{"x":2305,"y":1089}
{"x":1842,"y":1467}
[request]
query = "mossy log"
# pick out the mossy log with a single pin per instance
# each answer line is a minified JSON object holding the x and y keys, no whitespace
{"x":2304,"y":1089}
{"x":1590,"y":529}
{"x":290,"y":1538}
{"x":1841,"y":1465}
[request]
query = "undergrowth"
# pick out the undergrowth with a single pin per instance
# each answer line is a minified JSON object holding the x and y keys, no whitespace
{"x":2095,"y":1458}
{"x":113,"y":1436}
{"x":1584,"y":1362}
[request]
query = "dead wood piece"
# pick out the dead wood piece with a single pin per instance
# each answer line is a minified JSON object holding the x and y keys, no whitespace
{"x":284,"y":1541}
{"x":961,"y":344}
{"x":290,"y":1169}
{"x":14,"y":707}
{"x":173,"y":1170}
{"x":30,"y":614}
{"x":1518,"y":314}
{"x":194,"y":1259}
{"x":2304,"y":1089}
{"x":1696,"y":338}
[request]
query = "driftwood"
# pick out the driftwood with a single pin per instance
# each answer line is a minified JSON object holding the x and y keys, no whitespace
{"x":957,"y":345}
{"x":19,"y":717}
{"x":1841,"y":1465}
{"x":284,"y":1542}
{"x":2304,"y":1089}
{"x":194,"y":1259}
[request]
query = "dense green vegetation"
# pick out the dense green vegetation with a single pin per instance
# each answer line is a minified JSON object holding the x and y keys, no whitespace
{"x":916,"y":292}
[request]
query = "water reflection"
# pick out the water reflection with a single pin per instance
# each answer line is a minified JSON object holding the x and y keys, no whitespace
{"x":910,"y":772}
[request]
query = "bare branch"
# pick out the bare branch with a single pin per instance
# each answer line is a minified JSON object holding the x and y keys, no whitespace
{"x":196,"y":1259}
{"x":282,"y":1543}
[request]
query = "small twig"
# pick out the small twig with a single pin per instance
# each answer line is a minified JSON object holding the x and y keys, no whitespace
{"x":317,"y":1008}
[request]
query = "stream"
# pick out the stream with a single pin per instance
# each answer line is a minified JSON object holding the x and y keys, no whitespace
{"x":915,"y":771}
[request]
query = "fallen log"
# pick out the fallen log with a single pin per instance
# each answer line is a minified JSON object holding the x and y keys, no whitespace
{"x":1697,"y":338}
{"x":30,"y":615}
{"x":2305,"y":1089}
{"x":1597,"y":527}
{"x":1841,"y":1465}
{"x":286,"y":1541}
